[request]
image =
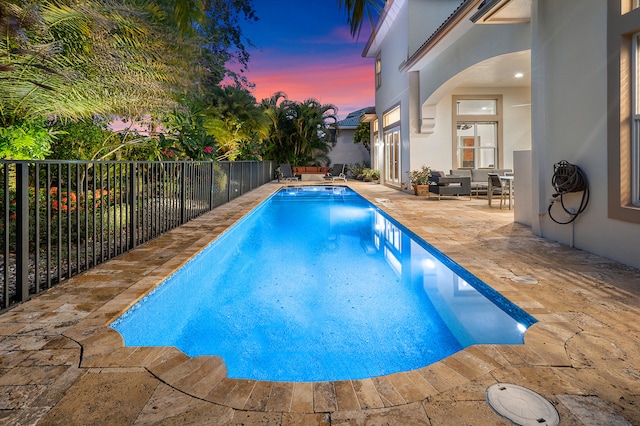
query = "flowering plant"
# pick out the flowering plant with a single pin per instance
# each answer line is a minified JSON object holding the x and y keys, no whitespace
{"x":420,"y":176}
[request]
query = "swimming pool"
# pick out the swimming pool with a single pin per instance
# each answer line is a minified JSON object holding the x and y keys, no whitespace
{"x":317,"y":284}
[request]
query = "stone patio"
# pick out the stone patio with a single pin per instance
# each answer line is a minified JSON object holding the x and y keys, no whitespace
{"x":61,"y":365}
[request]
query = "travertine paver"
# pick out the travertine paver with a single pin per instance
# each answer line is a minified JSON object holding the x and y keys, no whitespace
{"x":61,"y":364}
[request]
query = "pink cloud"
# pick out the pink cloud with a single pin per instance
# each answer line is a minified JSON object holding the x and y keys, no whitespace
{"x":329,"y":80}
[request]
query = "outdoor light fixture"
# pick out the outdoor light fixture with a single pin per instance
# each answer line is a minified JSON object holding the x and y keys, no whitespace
{"x":519,"y":75}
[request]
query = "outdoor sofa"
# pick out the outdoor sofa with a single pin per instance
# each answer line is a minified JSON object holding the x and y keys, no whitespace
{"x":449,"y":185}
{"x":313,"y":170}
{"x":311,"y":173}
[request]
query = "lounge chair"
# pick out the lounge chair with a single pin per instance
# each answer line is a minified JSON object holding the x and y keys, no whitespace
{"x":336,"y":172}
{"x":286,"y":173}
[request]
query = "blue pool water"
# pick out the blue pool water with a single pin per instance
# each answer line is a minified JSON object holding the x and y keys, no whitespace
{"x":317,"y":284}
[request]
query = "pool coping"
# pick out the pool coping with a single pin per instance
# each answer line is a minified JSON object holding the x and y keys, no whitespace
{"x":204,"y":377}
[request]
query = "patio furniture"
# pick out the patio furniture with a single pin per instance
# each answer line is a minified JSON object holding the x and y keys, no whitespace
{"x":499,"y":185}
{"x":336,"y":172}
{"x":449,"y":185}
{"x":286,"y":173}
{"x":310,"y":173}
{"x":479,"y":177}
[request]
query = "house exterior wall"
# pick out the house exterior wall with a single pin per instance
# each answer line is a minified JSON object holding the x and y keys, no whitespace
{"x":394,"y":89}
{"x":438,"y":81}
{"x":480,"y":43}
{"x":347,"y":152}
{"x":436,"y":148}
{"x":424,"y":17}
{"x":567,"y":118}
{"x":569,"y":94}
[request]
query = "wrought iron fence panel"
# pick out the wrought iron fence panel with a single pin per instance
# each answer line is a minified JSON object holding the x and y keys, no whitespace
{"x":60,"y":218}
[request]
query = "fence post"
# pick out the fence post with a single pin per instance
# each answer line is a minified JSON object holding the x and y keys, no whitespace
{"x":211,"y":187}
{"x":229,"y":166}
{"x":133,"y":202}
{"x":183,"y":193}
{"x":22,"y":232}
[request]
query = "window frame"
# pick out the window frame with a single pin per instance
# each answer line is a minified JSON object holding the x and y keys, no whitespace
{"x":478,"y":149}
{"x":392,"y":151}
{"x":496,"y":118}
{"x":623,"y":141}
{"x":378,"y":72}
{"x":635,"y":119}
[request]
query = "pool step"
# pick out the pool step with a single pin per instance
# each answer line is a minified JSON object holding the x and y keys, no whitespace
{"x":195,"y":376}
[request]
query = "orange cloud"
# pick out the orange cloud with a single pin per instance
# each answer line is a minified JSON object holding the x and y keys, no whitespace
{"x":348,"y":85}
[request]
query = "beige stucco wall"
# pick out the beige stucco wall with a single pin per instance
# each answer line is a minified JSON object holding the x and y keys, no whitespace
{"x":569,"y":94}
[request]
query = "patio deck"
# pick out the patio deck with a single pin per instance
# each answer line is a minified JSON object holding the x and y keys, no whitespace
{"x":61,"y":364}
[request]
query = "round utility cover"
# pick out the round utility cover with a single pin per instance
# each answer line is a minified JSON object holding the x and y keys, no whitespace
{"x":521,"y":406}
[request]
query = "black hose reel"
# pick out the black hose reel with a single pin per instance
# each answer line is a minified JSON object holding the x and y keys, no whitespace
{"x":569,"y":178}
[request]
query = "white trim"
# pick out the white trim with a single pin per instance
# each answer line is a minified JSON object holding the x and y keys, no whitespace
{"x":635,"y":117}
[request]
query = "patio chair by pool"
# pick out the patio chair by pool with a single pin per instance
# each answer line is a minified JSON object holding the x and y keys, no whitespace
{"x":496,"y":187}
{"x":336,"y":172}
{"x":287,"y":173}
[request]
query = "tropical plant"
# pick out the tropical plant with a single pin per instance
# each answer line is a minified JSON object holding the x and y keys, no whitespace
{"x":82,"y":139}
{"x":300,"y":132}
{"x":27,"y":140}
{"x":185,"y":135}
{"x":358,"y":10}
{"x":237,"y":122}
{"x":356,"y":169}
{"x":371,"y":174}
{"x":64,"y":60}
{"x":363,"y":135}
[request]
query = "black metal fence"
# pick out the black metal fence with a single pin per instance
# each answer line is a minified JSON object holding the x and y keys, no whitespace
{"x":60,"y":218}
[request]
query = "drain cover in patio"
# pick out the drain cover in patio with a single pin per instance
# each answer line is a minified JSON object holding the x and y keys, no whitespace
{"x":521,"y":406}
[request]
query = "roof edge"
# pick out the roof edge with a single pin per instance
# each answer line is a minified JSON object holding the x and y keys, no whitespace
{"x":376,"y":30}
{"x":456,"y":17}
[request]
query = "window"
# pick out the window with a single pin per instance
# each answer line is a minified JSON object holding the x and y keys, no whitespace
{"x":477,"y":146}
{"x":477,"y":134}
{"x":375,"y":144}
{"x":391,"y":117}
{"x":635,"y":116}
{"x":378,"y":72}
{"x":391,"y":138}
{"x":477,"y":106}
{"x":623,"y":119}
{"x":629,"y":5}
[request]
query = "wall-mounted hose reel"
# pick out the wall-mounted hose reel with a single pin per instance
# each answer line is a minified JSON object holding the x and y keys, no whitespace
{"x":567,"y":179}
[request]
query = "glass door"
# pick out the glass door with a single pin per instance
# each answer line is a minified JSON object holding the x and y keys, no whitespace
{"x":392,"y":156}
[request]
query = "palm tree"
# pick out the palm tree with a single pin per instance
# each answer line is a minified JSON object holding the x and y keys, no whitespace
{"x":236,"y":120}
{"x":313,"y":123}
{"x":279,"y":146}
{"x":300,"y":131}
{"x":358,"y":10}
{"x":90,"y":59}
{"x":66,"y":60}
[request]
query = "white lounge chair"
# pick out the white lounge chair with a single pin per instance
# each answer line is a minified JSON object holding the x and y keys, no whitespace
{"x":336,"y":172}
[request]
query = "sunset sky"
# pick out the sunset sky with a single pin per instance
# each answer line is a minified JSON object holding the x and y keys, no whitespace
{"x":304,"y":48}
